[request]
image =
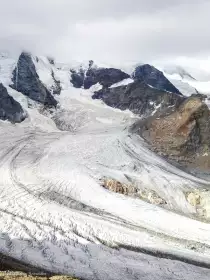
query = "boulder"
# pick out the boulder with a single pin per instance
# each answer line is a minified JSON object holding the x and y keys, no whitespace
{"x":10,"y":109}
{"x":118,"y":187}
{"x":154,"y":77}
{"x":26,"y":80}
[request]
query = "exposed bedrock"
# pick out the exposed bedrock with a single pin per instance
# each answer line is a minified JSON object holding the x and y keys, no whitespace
{"x":93,"y":75}
{"x":138,"y":97}
{"x":26,"y":80}
{"x":10,"y":109}
{"x":154,"y":77}
{"x":182,"y":135}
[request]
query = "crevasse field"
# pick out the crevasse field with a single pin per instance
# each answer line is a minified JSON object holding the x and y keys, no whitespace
{"x":54,"y":213}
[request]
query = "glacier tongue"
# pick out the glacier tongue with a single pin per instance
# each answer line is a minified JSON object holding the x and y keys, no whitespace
{"x":55,"y":214}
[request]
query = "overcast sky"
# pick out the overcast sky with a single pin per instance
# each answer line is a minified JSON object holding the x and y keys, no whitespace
{"x":112,"y":31}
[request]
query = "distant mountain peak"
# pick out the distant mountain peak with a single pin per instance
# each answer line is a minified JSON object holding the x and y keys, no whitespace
{"x":153,"y":77}
{"x":178,"y":70}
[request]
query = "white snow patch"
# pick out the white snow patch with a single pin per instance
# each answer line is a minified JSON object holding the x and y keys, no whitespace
{"x":44,"y":70}
{"x":156,"y":107}
{"x":124,"y":82}
{"x":95,"y":87}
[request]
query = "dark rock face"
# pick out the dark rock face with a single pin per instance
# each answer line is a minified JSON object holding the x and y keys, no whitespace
{"x":182,"y":135}
{"x":105,"y":76}
{"x":10,"y":109}
{"x":138,"y":97}
{"x":56,"y":88}
{"x":77,"y":78}
{"x":152,"y":76}
{"x":26,"y":81}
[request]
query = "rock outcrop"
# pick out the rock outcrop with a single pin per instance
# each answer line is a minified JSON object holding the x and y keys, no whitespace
{"x":104,"y":76}
{"x":92,"y":75}
{"x":10,"y":109}
{"x":182,"y":135}
{"x":23,"y":276}
{"x":26,"y":80}
{"x":149,"y":196}
{"x":154,"y":77}
{"x":138,"y":97}
{"x":56,"y":88}
{"x":77,"y":77}
{"x":116,"y":186}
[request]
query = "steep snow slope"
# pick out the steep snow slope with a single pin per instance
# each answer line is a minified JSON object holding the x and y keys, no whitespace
{"x":56,"y":215}
{"x":183,"y":85}
{"x":186,"y":83}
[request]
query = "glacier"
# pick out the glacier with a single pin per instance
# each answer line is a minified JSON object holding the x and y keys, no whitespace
{"x":56,"y":216}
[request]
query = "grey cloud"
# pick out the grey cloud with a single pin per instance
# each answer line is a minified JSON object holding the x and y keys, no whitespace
{"x":113,"y":31}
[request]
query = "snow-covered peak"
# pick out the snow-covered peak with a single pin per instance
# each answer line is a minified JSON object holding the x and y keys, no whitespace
{"x":178,"y":72}
{"x":185,"y":81}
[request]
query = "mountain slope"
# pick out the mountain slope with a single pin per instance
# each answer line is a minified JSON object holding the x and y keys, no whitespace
{"x":9,"y":108}
{"x":55,"y":213}
{"x":154,"y":77}
{"x":92,"y":75}
{"x":182,"y":134}
{"x":185,"y":82}
{"x":26,"y":80}
{"x":138,"y":97}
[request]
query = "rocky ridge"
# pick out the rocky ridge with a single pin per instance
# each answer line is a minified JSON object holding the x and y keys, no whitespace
{"x":138,"y":97}
{"x":176,"y":126}
{"x":153,"y":77}
{"x":182,"y":135}
{"x":92,"y":75}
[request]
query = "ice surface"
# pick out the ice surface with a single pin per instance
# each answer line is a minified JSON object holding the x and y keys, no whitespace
{"x":55,"y":214}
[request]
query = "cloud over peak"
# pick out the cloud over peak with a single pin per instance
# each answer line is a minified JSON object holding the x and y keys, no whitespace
{"x":114,"y":31}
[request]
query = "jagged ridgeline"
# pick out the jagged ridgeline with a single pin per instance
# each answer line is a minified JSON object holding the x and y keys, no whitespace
{"x":148,"y":93}
{"x":138,"y":97}
{"x":148,"y":88}
{"x":92,"y":75}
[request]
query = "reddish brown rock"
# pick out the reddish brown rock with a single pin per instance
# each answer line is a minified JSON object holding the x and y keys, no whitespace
{"x":181,"y":134}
